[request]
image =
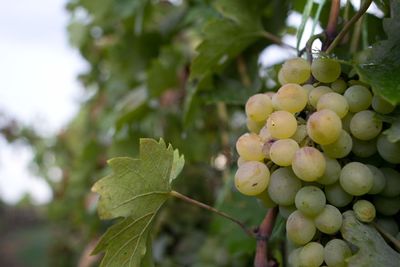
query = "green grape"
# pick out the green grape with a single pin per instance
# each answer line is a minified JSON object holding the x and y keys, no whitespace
{"x":332,"y":172}
{"x":365,"y":126}
{"x":358,"y":97}
{"x":264,"y":134}
{"x":316,"y":93}
{"x":308,"y":164}
{"x":329,"y":220}
{"x":290,"y":97}
{"x":258,"y":107}
{"x":281,"y":124}
{"x":324,"y":127}
{"x":296,"y":70}
{"x":254,"y":126}
{"x":311,"y":255}
{"x":281,"y":79}
{"x":293,"y":259}
{"x":282,"y":152}
{"x":356,"y":178}
{"x":389,"y":151}
{"x":249,"y":147}
{"x":392,"y":186}
{"x":252,"y":178}
{"x":364,"y":210}
{"x":364,"y":149}
{"x":283,"y":186}
{"x":308,"y":88}
{"x":300,"y":134}
{"x":310,"y":200}
{"x":299,"y":228}
{"x":336,"y":252}
{"x":379,"y":180}
{"x":265,"y":199}
{"x":325,"y":70}
{"x":337,"y":196}
{"x":285,"y":211}
{"x":387,"y":205}
{"x":388,"y":224}
{"x":346,"y":121}
{"x":380,"y":105}
{"x":340,"y":148}
{"x":339,"y":86}
{"x":334,"y":102}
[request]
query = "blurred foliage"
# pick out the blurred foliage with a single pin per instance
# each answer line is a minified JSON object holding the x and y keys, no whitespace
{"x":180,"y":70}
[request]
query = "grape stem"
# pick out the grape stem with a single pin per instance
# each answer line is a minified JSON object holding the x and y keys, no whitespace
{"x":332,"y":22}
{"x":348,"y":25}
{"x":176,"y":194}
{"x":262,"y":235}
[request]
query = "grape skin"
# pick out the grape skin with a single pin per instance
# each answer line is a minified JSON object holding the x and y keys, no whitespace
{"x":339,"y":86}
{"x":281,"y":124}
{"x":325,"y":70}
{"x":296,"y":70}
{"x":332,"y":172}
{"x":258,"y":107}
{"x":389,"y":151}
{"x":329,"y":220}
{"x":324,"y":127}
{"x":310,"y":200}
{"x":249,"y":147}
{"x":340,"y":148}
{"x":337,"y":196}
{"x":290,"y":97}
{"x":358,"y":97}
{"x":252,"y":178}
{"x":365,"y":126}
{"x":282,"y":152}
{"x":381,"y":105}
{"x":392,"y":185}
{"x":308,"y":164}
{"x":316,"y":93}
{"x":334,"y":102}
{"x":335,"y":253}
{"x":311,"y":255}
{"x":364,"y":210}
{"x":356,"y":178}
{"x":300,"y":229}
{"x":379,"y":180}
{"x":283,"y":186}
{"x":387,"y":206}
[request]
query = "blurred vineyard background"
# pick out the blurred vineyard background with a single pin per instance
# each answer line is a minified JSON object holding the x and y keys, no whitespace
{"x":141,"y":82}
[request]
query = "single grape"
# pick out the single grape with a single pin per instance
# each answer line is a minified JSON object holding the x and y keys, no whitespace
{"x":358,"y":97}
{"x":293,"y":259}
{"x":325,"y":70}
{"x":365,"y":126}
{"x":356,"y":178}
{"x":290,"y":97}
{"x":379,"y":180}
{"x":364,"y":149}
{"x":380,"y":105}
{"x":249,"y":147}
{"x":387,"y":205}
{"x":340,"y":148}
{"x":389,"y":151}
{"x":308,"y":164}
{"x":259,"y":107}
{"x":332,"y":172}
{"x":324,"y":127}
{"x":310,"y":200}
{"x":311,"y":255}
{"x":254,"y":126}
{"x":388,"y":224}
{"x":299,"y":228}
{"x":283,"y":186}
{"x":281,"y":79}
{"x":329,"y":220}
{"x":316,"y":93}
{"x":337,"y":196}
{"x":252,"y":178}
{"x":282,"y":152}
{"x":300,"y":134}
{"x":364,"y":210}
{"x":281,"y":124}
{"x":392,"y":186}
{"x":285,"y":211}
{"x":336,"y":252}
{"x":296,"y":70}
{"x":339,"y":86}
{"x":346,"y":121}
{"x":334,"y":102}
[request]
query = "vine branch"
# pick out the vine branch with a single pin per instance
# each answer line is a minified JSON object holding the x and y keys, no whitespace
{"x":262,"y":235}
{"x":348,"y":25}
{"x":212,"y":209}
{"x":276,"y":39}
{"x":332,"y":23}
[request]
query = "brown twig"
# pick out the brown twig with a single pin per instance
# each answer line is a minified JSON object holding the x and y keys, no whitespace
{"x":262,"y":235}
{"x":333,"y":18}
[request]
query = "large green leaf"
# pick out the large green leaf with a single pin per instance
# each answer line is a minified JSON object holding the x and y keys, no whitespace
{"x":136,"y":190}
{"x":382,"y":66}
{"x":372,"y":248}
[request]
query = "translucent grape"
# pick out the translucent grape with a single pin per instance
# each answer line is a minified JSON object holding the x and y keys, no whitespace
{"x":296,"y":70}
{"x":282,"y":151}
{"x":283,"y":186}
{"x":281,"y":124}
{"x":252,"y":178}
{"x":337,"y":196}
{"x":389,"y":151}
{"x":325,"y":70}
{"x":387,"y":205}
{"x":379,"y":180}
{"x":310,"y":200}
{"x":249,"y":147}
{"x":258,"y":107}
{"x":281,"y":79}
{"x":329,"y":220}
{"x":356,"y":178}
{"x":316,"y":93}
{"x":300,"y":134}
{"x":339,"y":86}
{"x":358,"y":97}
{"x":308,"y":164}
{"x":340,"y":148}
{"x":299,"y":228}
{"x":392,"y":186}
{"x":290,"y":97}
{"x":332,"y":172}
{"x":335,"y":253}
{"x":335,"y":102}
{"x":311,"y":255}
{"x":365,"y":126}
{"x":381,"y":105}
{"x":324,"y":127}
{"x":364,"y":149}
{"x":364,"y":210}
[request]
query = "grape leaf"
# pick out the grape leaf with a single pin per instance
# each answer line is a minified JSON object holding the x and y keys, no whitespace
{"x":382,"y":65}
{"x":136,"y":190}
{"x":372,"y":248}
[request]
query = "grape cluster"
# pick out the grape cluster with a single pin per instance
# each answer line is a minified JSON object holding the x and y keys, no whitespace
{"x":317,"y":150}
